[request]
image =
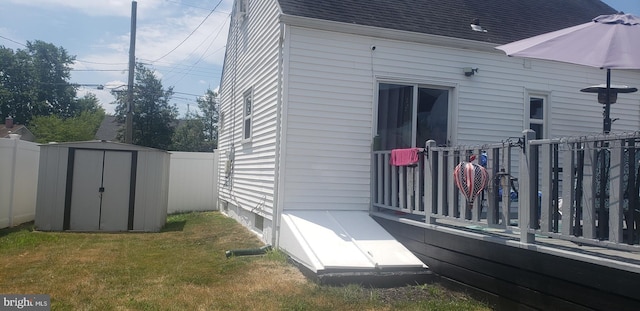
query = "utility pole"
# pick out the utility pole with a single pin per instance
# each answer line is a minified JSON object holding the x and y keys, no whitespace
{"x":132,"y":68}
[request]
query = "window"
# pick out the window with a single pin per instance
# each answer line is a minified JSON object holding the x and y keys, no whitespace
{"x":409,"y":115}
{"x":247,"y":114}
{"x":537,"y":106}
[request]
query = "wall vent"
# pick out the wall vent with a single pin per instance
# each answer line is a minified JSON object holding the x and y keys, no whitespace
{"x":259,"y":222}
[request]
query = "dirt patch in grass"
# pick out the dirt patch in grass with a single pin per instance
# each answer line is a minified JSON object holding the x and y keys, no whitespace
{"x":184,"y":268}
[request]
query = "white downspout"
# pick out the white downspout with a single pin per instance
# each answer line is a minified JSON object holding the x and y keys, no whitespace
{"x":278,"y":198}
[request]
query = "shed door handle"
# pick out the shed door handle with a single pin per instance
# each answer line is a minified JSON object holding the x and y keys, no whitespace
{"x":101,"y":189}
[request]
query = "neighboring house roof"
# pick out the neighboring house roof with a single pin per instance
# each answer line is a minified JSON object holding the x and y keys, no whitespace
{"x":108,"y":129}
{"x":505,"y":21}
{"x":17,"y":129}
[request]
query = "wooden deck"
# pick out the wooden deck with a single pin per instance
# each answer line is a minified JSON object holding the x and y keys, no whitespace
{"x":561,"y":236}
{"x":549,"y":274}
{"x":621,"y":259}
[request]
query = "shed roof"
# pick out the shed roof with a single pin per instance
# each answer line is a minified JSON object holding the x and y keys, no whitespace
{"x":505,"y":20}
{"x":101,"y":145}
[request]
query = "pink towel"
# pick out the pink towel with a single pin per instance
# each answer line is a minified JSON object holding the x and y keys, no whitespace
{"x":404,"y":157}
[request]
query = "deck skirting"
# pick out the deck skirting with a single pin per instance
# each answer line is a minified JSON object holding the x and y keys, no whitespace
{"x":509,"y":275}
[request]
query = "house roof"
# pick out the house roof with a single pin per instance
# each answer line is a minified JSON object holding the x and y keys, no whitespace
{"x":108,"y":129}
{"x":505,"y":20}
{"x":16,"y":129}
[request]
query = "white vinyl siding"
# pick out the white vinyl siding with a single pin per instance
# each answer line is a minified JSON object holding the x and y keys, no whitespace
{"x":331,"y":106}
{"x":251,"y":63}
{"x":329,"y":122}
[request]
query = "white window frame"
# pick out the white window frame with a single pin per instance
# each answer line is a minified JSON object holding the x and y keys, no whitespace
{"x":544,"y":122}
{"x":247,"y":95}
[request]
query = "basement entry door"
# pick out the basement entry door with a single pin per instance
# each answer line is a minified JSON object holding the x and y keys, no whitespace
{"x":101,"y":190}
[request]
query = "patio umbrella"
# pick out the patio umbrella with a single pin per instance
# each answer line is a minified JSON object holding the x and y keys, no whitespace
{"x":608,"y":41}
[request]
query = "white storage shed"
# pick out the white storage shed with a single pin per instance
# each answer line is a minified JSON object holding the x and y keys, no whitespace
{"x":102,"y":186}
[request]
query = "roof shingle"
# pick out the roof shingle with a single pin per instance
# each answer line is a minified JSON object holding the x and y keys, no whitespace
{"x":505,"y":20}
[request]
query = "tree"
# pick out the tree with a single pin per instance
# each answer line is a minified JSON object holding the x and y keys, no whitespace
{"x":89,"y":102}
{"x":35,"y":82}
{"x":190,"y":135}
{"x":153,"y":116}
{"x":208,"y":106}
{"x":199,"y":132}
{"x":56,"y":129}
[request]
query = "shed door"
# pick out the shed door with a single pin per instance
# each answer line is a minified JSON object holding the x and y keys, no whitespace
{"x":85,"y":199}
{"x":100,"y":190}
{"x":116,"y":178}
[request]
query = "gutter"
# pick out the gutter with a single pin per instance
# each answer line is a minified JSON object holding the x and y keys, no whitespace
{"x":391,"y":34}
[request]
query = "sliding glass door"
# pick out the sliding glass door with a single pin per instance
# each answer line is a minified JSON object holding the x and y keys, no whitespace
{"x":409,"y":115}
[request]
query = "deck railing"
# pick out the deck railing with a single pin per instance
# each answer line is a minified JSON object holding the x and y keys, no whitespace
{"x":582,"y":189}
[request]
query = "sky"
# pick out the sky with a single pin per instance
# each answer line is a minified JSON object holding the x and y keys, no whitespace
{"x":183,"y":41}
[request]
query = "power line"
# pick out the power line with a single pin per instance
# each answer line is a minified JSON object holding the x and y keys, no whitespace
{"x":189,"y":36}
{"x":79,"y":60}
{"x":190,"y":5}
{"x":179,"y":66}
{"x":99,"y":63}
{"x":14,"y":41}
{"x":187,"y":93}
{"x":202,"y":54}
{"x":123,"y":70}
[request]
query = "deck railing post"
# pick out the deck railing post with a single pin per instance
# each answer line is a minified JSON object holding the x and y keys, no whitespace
{"x":430,"y":181}
{"x":588,"y":191}
{"x":547,"y":211}
{"x":616,"y":195}
{"x":526,"y":199}
{"x":569,"y":156}
{"x":493,"y":164}
{"x":505,"y":184}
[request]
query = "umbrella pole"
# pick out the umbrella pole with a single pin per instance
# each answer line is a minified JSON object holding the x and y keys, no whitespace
{"x":603,"y":222}
{"x":606,"y":125}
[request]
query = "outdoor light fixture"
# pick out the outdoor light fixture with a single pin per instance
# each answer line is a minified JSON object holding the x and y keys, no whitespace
{"x":607,"y":99}
{"x":468,"y":71}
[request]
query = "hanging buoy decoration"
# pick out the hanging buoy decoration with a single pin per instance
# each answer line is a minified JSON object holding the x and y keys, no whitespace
{"x":471,"y":179}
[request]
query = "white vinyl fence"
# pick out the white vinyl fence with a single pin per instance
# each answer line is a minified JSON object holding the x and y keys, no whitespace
{"x":192,"y":181}
{"x":18,"y":181}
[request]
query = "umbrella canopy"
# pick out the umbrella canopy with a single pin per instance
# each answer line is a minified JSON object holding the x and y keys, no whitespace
{"x":608,"y":41}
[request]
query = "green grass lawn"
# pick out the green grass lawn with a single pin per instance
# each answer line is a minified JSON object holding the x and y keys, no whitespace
{"x":184,"y":268}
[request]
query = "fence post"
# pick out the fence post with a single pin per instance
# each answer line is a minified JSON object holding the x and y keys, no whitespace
{"x":527,"y":201}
